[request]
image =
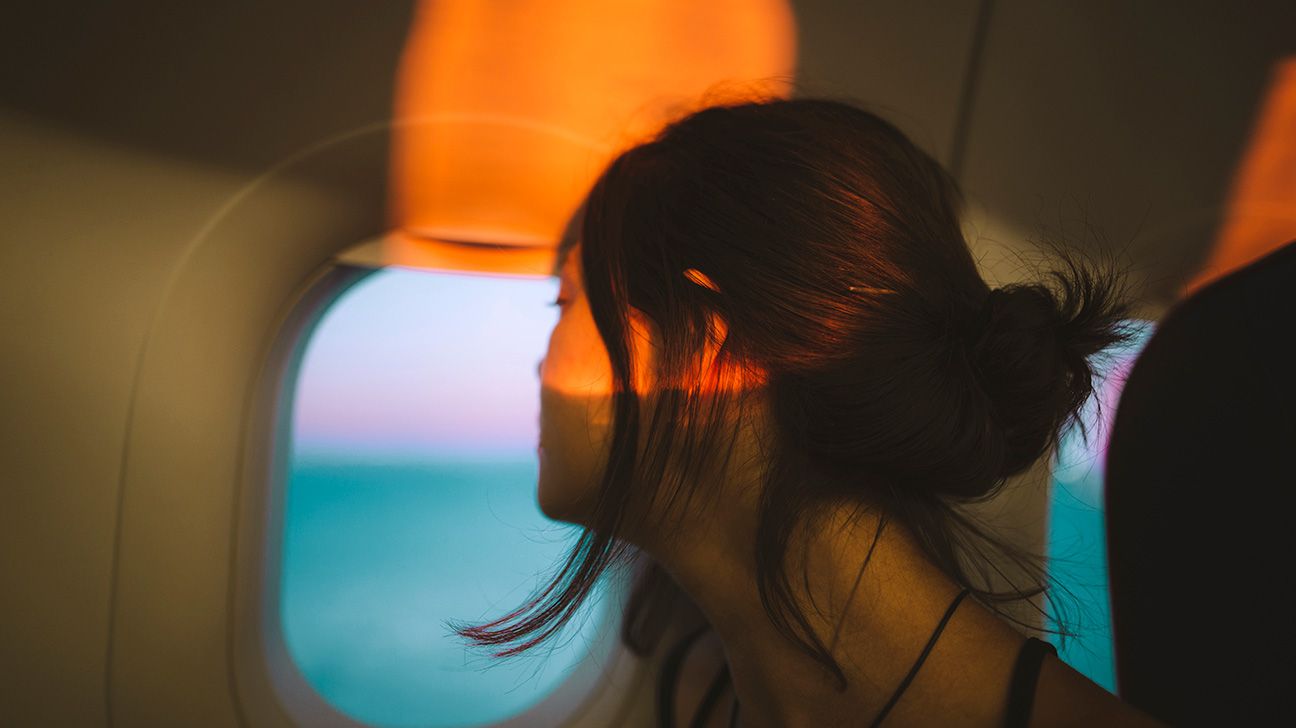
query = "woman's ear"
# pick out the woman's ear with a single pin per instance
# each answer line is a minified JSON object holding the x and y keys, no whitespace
{"x":702,"y":279}
{"x":739,"y":376}
{"x":718,"y":327}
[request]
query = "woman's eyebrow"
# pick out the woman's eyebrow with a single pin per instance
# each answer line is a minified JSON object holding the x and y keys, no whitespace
{"x":566,"y":242}
{"x":567,"y":273}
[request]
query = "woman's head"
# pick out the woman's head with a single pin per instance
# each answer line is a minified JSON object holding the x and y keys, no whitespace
{"x":576,"y":391}
{"x":800,"y":264}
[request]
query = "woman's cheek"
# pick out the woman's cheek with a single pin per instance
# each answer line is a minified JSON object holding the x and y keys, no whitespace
{"x":575,"y":437}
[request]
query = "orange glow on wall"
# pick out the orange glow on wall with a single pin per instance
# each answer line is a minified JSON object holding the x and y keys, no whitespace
{"x":507,"y":111}
{"x":1261,"y":212}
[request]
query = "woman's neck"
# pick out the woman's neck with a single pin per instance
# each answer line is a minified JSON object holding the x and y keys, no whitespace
{"x":875,"y":624}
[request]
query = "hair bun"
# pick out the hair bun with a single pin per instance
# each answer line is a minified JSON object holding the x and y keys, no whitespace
{"x":1027,"y":310}
{"x":1031,"y":353}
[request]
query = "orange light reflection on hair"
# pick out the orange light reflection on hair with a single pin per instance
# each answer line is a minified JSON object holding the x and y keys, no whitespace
{"x":1261,"y":212}
{"x":506,"y":112}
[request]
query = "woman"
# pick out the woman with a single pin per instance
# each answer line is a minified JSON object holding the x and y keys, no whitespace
{"x":775,"y":375}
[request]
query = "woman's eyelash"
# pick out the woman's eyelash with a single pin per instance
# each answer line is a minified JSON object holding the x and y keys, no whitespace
{"x":560,"y":301}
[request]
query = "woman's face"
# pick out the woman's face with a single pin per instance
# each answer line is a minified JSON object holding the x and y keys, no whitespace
{"x":576,"y":400}
{"x":576,"y":393}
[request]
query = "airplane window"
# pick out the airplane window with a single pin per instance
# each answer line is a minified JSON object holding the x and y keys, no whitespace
{"x":411,"y":501}
{"x":1077,"y":538}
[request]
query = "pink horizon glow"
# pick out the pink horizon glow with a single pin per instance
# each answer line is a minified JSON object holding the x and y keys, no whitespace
{"x":419,"y":362}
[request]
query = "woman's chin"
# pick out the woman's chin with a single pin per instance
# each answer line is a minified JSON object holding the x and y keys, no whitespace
{"x":559,"y":512}
{"x":552,"y":501}
{"x":565,"y":486}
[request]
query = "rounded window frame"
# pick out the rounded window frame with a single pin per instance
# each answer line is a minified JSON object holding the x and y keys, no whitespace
{"x":271,"y":688}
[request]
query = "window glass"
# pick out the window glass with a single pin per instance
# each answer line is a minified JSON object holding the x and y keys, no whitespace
{"x":411,"y":500}
{"x":1077,"y":537}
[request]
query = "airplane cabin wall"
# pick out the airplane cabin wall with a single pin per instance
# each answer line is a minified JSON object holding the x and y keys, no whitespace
{"x":124,"y":130}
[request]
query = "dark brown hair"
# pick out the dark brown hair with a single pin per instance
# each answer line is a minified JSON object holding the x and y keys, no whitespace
{"x":894,"y":374}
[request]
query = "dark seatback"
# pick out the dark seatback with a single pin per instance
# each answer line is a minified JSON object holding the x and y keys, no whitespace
{"x":1201,"y":473}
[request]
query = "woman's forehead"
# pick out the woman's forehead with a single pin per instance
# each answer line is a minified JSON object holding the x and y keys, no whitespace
{"x":570,"y":264}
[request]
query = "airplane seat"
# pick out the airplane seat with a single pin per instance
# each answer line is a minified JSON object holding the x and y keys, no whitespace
{"x":1198,"y":471}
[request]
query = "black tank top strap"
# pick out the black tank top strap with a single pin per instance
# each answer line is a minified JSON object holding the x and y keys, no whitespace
{"x":1021,"y":693}
{"x":668,"y":692}
{"x":669,"y":676}
{"x":913,"y":671}
{"x":703,"y":712}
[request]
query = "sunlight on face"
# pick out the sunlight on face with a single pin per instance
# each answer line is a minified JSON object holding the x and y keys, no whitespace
{"x":576,"y":385}
{"x":576,"y":399}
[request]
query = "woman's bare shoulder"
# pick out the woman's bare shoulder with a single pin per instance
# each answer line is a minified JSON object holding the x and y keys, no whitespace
{"x":1065,"y":697}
